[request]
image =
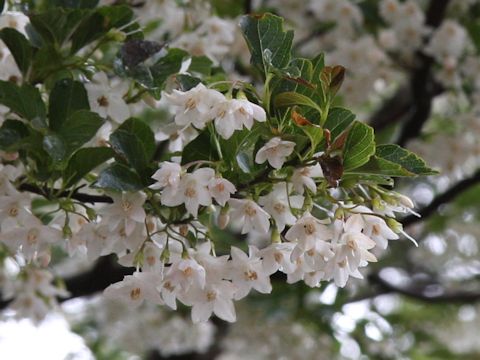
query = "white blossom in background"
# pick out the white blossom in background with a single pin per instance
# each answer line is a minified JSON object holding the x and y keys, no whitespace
{"x":447,"y":42}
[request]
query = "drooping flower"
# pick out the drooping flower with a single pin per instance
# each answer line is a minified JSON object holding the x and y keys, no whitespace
{"x":279,"y":204}
{"x":248,"y":213}
{"x":248,"y":273}
{"x":193,"y":106}
{"x":275,"y":151}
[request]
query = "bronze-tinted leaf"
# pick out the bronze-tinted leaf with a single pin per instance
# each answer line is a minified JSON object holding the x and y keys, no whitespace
{"x":134,"y":52}
{"x":332,"y":169}
{"x":299,"y":119}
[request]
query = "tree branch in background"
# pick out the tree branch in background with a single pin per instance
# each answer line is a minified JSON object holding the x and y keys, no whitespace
{"x":412,"y":105}
{"x":423,"y":293}
{"x":87,"y":198}
{"x":443,"y":198}
{"x":247,"y":7}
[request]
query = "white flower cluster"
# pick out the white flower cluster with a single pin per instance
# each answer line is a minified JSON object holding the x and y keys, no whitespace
{"x":199,"y":105}
{"x":171,"y":267}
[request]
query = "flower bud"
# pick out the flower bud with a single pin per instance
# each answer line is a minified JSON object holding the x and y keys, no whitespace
{"x":67,"y":231}
{"x":276,"y":236}
{"x":91,"y":214}
{"x":405,"y":201}
{"x":165,"y":256}
{"x":396,"y":226}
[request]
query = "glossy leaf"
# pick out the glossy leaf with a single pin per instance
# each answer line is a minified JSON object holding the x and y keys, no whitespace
{"x":119,"y":177}
{"x":359,"y":146}
{"x":23,"y":100}
{"x":67,"y":97}
{"x":268,"y":42}
{"x":19,"y":46}
{"x":406,"y":159}
{"x":79,"y":128}
{"x":83,"y":161}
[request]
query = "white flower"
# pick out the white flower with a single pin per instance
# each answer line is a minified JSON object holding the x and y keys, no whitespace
{"x":178,"y":136}
{"x":13,"y":209}
{"x":191,"y":191}
{"x":247,"y":112}
{"x":248,"y":213}
{"x":307,"y":231}
{"x":33,"y":238}
{"x":193,"y":106}
{"x":186,"y":273}
{"x":337,"y":269}
{"x":277,"y":257}
{"x":135,"y":289}
{"x":127,"y":208}
{"x":233,"y":114}
{"x":278,"y":203}
{"x":377,"y":229}
{"x":214,"y":298}
{"x":275,"y":151}
{"x":220,"y":189}
{"x":95,"y":238}
{"x":303,"y":177}
{"x":351,"y":250}
{"x":355,"y":244}
{"x":247,"y":273}
{"x":167,"y":175}
{"x":106,"y":98}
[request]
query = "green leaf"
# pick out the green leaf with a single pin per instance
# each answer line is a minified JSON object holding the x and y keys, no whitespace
{"x":131,"y":149}
{"x":187,"y":82}
{"x":76,"y":4}
{"x":55,"y":147}
{"x":67,"y":97}
{"x":55,"y":26}
{"x":83,"y":161}
{"x":46,"y":62}
{"x":118,"y":177}
{"x":79,"y":128}
{"x":200,"y":148}
{"x":23,"y":100}
{"x":11,"y":133}
{"x":269,"y":44}
{"x":168,"y":65}
{"x":406,"y":159}
{"x":144,"y":133}
{"x":359,"y":146}
{"x":19,"y":46}
{"x":99,"y":23}
{"x":293,"y":98}
{"x":378,"y":166}
{"x":338,"y":120}
{"x":201,"y":65}
{"x":2,"y":5}
{"x":306,"y":83}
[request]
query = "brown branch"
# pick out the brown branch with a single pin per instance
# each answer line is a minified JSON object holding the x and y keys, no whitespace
{"x":422,"y":294}
{"x":86,"y":198}
{"x":412,"y":104}
{"x":104,"y":273}
{"x":443,"y":198}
